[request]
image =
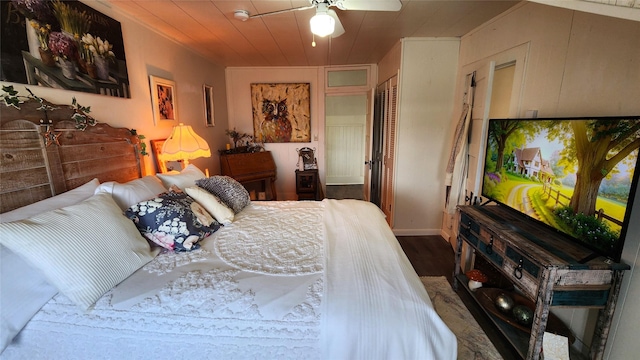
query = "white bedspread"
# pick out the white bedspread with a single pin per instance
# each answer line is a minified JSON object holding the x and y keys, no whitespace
{"x":286,"y":280}
{"x":377,"y":307}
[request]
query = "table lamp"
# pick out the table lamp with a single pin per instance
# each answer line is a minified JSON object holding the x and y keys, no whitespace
{"x":184,"y":144}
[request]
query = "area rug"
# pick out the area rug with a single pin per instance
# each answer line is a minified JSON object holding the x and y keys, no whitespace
{"x":473,"y":344}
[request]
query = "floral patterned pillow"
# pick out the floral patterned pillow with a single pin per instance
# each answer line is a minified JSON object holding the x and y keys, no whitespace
{"x":173,"y":220}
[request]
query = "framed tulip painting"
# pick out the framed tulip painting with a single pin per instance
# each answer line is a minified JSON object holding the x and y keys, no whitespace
{"x":62,"y":44}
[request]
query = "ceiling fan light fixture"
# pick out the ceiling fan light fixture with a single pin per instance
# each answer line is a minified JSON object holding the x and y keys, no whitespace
{"x":322,"y":24}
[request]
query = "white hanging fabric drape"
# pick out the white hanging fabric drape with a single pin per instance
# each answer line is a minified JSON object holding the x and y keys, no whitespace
{"x":457,"y":167}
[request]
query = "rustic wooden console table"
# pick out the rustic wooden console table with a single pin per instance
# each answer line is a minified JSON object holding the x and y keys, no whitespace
{"x":546,"y":267}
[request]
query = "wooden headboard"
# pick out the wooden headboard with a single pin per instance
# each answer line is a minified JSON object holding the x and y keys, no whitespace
{"x":42,"y":155}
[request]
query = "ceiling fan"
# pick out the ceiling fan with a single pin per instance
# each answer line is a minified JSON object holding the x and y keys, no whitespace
{"x":326,"y":22}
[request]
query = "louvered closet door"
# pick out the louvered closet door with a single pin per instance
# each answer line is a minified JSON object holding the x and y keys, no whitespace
{"x":390,"y":120}
{"x":377,"y":146}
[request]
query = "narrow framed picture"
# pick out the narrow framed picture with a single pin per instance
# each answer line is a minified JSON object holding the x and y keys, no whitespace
{"x":208,"y":105}
{"x":163,"y":98}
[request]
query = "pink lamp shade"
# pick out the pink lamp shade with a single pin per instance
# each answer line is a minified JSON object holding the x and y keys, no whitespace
{"x":184,"y":144}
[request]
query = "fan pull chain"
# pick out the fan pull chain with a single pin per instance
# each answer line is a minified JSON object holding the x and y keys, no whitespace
{"x":313,"y":42}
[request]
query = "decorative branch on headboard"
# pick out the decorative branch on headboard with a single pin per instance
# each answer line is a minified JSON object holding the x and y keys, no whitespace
{"x":80,"y":113}
{"x":80,"y":116}
{"x":143,"y":145}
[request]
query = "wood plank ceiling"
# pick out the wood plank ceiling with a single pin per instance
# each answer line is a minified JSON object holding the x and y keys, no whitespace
{"x":210,"y":29}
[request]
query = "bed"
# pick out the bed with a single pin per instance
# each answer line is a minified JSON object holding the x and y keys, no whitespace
{"x":287,"y":280}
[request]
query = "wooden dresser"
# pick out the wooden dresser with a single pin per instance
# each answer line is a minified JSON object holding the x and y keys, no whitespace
{"x":547,"y":268}
{"x":256,"y":171}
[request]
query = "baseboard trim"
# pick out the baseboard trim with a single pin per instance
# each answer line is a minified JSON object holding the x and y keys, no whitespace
{"x":416,"y":232}
{"x":445,"y":235}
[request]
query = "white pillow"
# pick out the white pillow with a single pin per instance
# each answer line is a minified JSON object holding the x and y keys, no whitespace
{"x":23,"y":288}
{"x":23,"y":291}
{"x":212,"y":204}
{"x":134,"y":191}
{"x":186,"y":178}
{"x":84,"y":249}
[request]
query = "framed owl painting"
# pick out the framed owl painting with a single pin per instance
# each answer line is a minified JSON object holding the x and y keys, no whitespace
{"x":281,"y":112}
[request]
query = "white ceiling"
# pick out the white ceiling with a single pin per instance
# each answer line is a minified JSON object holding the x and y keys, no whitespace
{"x":209,"y":28}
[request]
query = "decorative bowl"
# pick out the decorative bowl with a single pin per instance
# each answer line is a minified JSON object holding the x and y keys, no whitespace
{"x":486,"y":297}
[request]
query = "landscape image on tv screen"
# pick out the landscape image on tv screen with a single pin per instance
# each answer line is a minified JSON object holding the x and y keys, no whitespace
{"x":576,"y":175}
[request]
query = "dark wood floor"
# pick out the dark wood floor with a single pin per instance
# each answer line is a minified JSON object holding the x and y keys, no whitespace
{"x":433,"y":256}
{"x":344,"y":192}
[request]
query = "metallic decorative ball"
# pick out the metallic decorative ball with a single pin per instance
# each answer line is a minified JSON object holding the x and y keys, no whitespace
{"x":504,"y":303}
{"x":523,"y":314}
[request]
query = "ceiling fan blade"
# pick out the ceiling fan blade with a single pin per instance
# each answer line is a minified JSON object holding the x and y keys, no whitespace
{"x":368,"y":5}
{"x":339,"y":29}
{"x":282,"y":11}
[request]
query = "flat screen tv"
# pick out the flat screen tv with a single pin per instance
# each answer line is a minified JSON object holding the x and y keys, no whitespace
{"x":575,"y":175}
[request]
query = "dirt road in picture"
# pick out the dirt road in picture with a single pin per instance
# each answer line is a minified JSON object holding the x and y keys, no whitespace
{"x":518,"y":198}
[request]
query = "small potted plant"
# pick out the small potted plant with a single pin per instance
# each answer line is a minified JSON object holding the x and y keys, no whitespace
{"x":40,"y":12}
{"x":88,"y":57}
{"x":65,"y":49}
{"x":237,"y":138}
{"x":101,"y":53}
{"x":43,"y":31}
{"x":72,"y":21}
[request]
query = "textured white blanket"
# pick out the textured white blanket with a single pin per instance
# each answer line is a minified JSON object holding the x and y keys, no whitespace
{"x":376,"y":306}
{"x":286,"y":280}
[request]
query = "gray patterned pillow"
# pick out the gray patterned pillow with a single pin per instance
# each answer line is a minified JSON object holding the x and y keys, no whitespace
{"x":228,"y":190}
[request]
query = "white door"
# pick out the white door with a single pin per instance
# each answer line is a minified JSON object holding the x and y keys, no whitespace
{"x":345,"y":132}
